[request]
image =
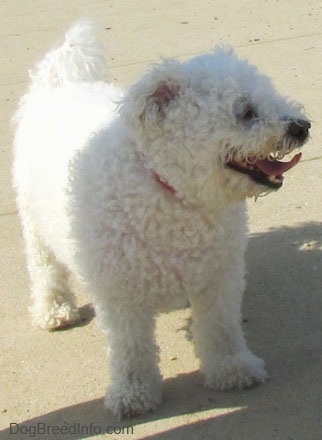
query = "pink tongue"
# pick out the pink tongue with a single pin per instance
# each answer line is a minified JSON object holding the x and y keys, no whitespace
{"x":275,"y":167}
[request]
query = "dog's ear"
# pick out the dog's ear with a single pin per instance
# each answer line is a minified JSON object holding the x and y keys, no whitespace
{"x":163,"y":95}
{"x":148,"y":102}
{"x":159,"y":101}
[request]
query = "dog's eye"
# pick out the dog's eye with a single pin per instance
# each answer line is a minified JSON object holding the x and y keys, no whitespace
{"x":245,"y":112}
{"x":249,"y":114}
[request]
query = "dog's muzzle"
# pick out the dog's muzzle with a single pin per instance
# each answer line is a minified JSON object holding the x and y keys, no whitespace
{"x":269,"y":171}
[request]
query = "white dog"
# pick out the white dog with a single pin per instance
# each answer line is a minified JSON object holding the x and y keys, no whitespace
{"x":142,"y":197}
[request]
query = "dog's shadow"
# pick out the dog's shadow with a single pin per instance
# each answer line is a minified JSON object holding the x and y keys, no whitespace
{"x":282,"y":322}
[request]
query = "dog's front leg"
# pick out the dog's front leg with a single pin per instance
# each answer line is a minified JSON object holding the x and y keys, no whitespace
{"x":219,"y":342}
{"x":135,"y":386}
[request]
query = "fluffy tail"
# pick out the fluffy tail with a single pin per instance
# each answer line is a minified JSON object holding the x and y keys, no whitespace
{"x":80,"y":58}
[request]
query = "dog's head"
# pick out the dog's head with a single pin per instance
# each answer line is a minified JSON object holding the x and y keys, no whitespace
{"x":214,"y":127}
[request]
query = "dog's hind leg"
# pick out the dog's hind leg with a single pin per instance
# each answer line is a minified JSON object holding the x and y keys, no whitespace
{"x":52,"y":301}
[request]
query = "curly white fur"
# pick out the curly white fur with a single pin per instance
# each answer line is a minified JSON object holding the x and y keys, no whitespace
{"x":133,"y":195}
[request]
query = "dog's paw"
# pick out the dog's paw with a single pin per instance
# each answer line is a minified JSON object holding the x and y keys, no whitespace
{"x":133,"y":399}
{"x":241,"y":370}
{"x":55,"y":316}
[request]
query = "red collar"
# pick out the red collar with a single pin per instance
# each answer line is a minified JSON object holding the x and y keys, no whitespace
{"x":164,"y":184}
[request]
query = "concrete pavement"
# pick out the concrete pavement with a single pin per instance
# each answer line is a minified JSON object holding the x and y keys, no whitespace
{"x":58,"y":379}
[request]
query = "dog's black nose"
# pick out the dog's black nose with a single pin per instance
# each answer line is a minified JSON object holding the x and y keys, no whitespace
{"x":299,"y":129}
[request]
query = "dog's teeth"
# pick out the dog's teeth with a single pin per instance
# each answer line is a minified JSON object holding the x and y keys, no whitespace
{"x":251,"y":160}
{"x":274,"y":179}
{"x":280,"y":156}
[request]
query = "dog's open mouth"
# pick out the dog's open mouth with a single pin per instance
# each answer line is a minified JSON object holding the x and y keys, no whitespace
{"x":267,"y":172}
